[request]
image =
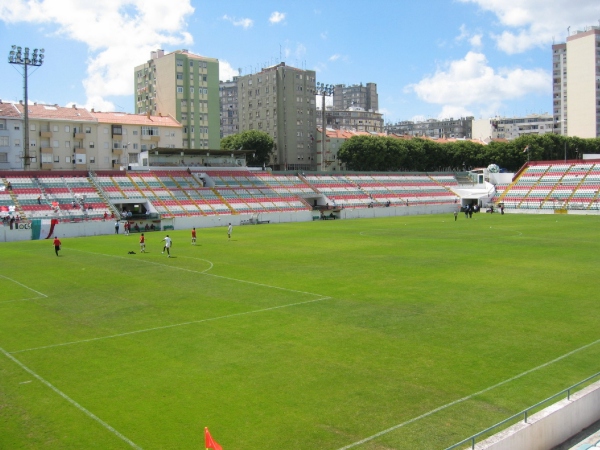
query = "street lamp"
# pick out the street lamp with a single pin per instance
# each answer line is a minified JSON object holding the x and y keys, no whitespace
{"x":324,"y":90}
{"x":22,"y":57}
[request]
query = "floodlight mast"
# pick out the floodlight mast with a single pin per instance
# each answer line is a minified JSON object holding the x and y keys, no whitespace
{"x":324,"y":90}
{"x":21,"y":57}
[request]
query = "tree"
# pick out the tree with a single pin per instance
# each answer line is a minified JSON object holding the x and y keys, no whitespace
{"x":259,"y":142}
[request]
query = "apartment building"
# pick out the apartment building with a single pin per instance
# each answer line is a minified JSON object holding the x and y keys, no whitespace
{"x":280,"y":100}
{"x":353,"y":118}
{"x":228,"y":95}
{"x":11,"y":137}
{"x":434,"y":128}
{"x":184,"y":86}
{"x":576,"y":84}
{"x":73,"y":138}
{"x":512,"y":127}
{"x":356,"y":95}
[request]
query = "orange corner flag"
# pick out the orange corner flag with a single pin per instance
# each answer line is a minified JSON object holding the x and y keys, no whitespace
{"x":209,"y":441}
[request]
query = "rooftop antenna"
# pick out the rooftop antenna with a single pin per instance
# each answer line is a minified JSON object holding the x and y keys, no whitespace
{"x":568,"y":31}
{"x":239,"y":71}
{"x":279,"y":52}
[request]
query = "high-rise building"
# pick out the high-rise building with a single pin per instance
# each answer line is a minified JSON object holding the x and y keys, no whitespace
{"x":512,"y":127}
{"x":357,"y":95}
{"x":353,"y":118}
{"x":186,"y":87}
{"x":434,"y":128}
{"x":228,"y":93}
{"x":280,"y":100}
{"x":576,"y":84}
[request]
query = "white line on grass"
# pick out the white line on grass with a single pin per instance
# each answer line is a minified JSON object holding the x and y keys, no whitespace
{"x":69,"y":399}
{"x":171,"y":326}
{"x":468,"y":397}
{"x":26,"y":287}
{"x":204,"y":272}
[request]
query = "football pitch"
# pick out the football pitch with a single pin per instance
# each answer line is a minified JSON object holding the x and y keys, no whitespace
{"x":396,"y":333}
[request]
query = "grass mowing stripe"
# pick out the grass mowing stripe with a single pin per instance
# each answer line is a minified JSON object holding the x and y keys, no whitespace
{"x":207,"y":274}
{"x":170,"y":326}
{"x":26,"y":287}
{"x":70,"y":400}
{"x":468,"y":397}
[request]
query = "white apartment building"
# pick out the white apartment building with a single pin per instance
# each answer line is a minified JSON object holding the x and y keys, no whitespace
{"x":512,"y":127}
{"x":72,"y":138}
{"x":576,"y":83}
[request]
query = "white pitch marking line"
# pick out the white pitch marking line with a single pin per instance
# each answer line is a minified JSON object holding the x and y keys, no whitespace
{"x":170,"y":326}
{"x":70,"y":400}
{"x":468,"y":397}
{"x":204,"y":273}
{"x":22,"y":299}
{"x":26,"y":287}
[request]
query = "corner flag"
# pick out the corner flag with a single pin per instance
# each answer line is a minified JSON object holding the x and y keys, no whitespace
{"x":209,"y":442}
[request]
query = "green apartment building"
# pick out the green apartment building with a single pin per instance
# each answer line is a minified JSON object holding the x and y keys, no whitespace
{"x":186,"y":87}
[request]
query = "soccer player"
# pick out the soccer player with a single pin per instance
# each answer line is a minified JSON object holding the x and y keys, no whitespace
{"x":229,"y":230}
{"x":193,"y":236}
{"x":167,"y":246}
{"x":56,"y":244}
{"x":142,"y":244}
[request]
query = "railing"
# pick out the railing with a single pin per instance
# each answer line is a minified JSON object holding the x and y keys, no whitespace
{"x":525,"y":414}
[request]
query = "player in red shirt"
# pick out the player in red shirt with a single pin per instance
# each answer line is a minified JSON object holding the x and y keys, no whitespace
{"x":142,"y":244}
{"x":193,"y":236}
{"x":56,"y":244}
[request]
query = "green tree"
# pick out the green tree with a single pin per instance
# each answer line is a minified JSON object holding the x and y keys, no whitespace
{"x":259,"y":142}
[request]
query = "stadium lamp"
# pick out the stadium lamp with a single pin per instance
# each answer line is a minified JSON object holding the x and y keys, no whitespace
{"x":324,"y":90}
{"x":22,"y":57}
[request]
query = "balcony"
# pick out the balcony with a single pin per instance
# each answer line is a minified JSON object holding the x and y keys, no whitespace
{"x":47,"y":166}
{"x":46,"y":150}
{"x":79,"y":136}
{"x":117,"y":151}
{"x":45,"y":134}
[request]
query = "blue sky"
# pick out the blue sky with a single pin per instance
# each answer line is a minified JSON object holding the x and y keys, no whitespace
{"x":429,"y":59}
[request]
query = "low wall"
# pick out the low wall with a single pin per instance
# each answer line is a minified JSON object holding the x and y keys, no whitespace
{"x":96,"y":228}
{"x":551,"y":426}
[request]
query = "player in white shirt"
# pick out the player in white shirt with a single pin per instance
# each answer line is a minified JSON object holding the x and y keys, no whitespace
{"x":167,"y":246}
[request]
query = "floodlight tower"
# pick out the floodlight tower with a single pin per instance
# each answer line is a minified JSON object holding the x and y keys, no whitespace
{"x":23,"y":58}
{"x":324,"y":90}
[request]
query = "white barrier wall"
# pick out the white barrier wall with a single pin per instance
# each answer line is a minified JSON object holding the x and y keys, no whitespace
{"x":551,"y":426}
{"x":97,"y":228}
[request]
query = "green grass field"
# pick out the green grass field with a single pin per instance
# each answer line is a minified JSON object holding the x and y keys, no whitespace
{"x":296,"y":336}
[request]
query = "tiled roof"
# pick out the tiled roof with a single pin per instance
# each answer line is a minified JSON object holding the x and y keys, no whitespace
{"x":55,"y":112}
{"x":9,"y":110}
{"x":134,"y":119}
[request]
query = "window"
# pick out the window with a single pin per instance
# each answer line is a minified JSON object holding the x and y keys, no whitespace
{"x":17,"y":142}
{"x":180,"y":89}
{"x":105,"y":130}
{"x":32,"y":127}
{"x":180,"y":76}
{"x":47,"y":158}
{"x":179,"y":63}
{"x":91,"y":144}
{"x":135,"y":146}
{"x":135,"y":132}
{"x":133,"y":157}
{"x":3,"y":157}
{"x":106,"y":145}
{"x":88,"y":130}
{"x":191,"y":65}
{"x":67,"y":129}
{"x":33,"y":143}
{"x":67,"y":144}
{"x":67,"y":159}
{"x":56,"y":158}
{"x":17,"y":127}
{"x":149,"y":131}
{"x":55,"y":143}
{"x":3,"y":141}
{"x":92,"y":160}
{"x":192,"y":90}
{"x":55,"y":128}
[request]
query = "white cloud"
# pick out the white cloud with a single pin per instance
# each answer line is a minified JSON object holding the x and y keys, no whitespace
{"x":475,"y":40}
{"x":472,"y":83}
{"x":277,"y":17}
{"x":245,"y":23}
{"x":300,"y":51}
{"x":535,"y":23}
{"x":335,"y":57}
{"x":143,"y":25}
{"x":324,"y":35}
{"x":226,"y":72}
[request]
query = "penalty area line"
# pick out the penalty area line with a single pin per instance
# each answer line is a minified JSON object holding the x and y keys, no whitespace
{"x":169,"y":326}
{"x":468,"y":397}
{"x":26,"y":287}
{"x":70,"y":400}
